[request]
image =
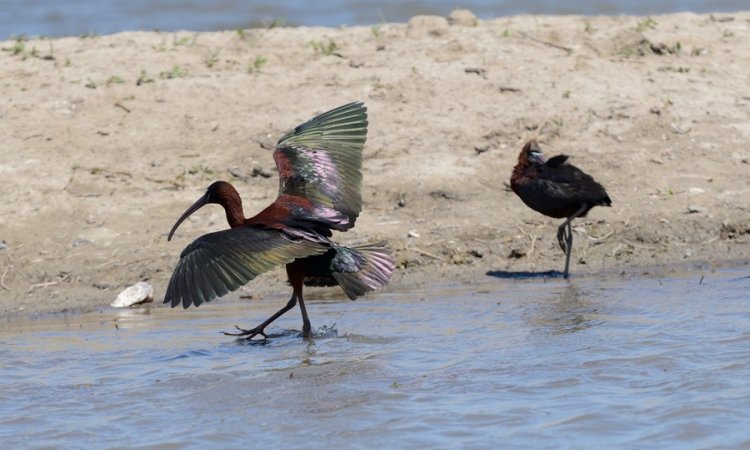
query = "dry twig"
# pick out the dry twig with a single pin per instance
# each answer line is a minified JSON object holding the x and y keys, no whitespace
{"x":2,"y":278}
{"x":422,"y":252}
{"x":38,"y":285}
{"x":551,"y":44}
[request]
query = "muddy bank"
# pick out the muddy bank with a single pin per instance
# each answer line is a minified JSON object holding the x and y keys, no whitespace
{"x":106,"y":140}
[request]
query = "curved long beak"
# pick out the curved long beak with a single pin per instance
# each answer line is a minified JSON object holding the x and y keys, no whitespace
{"x":193,"y":208}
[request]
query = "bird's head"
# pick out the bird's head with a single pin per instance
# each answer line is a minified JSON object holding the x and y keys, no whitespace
{"x":532,"y":153}
{"x":221,"y":193}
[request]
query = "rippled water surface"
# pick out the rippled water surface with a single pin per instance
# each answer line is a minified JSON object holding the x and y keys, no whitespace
{"x":622,"y":361}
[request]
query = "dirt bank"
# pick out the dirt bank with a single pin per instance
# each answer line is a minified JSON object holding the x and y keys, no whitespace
{"x":107,"y":139}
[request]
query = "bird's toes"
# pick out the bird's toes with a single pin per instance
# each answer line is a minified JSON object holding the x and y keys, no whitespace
{"x":247,"y":335}
{"x":242,"y":332}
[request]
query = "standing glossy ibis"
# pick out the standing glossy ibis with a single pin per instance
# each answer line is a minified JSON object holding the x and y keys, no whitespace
{"x":320,"y":183}
{"x":556,"y":189}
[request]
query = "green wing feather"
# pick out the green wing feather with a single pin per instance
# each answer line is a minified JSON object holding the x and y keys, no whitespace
{"x":321,"y":161}
{"x":220,"y":262}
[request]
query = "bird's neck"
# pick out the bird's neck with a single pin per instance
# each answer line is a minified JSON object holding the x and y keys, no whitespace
{"x":235,"y":216}
{"x":523,"y":172}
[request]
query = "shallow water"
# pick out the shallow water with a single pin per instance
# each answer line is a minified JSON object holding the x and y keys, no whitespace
{"x":77,"y":17}
{"x":626,"y":361}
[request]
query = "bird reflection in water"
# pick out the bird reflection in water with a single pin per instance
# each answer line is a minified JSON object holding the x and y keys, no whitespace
{"x":569,"y":311}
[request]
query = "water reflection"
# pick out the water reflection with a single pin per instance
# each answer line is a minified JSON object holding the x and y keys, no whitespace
{"x":523,"y":274}
{"x":570,"y":310}
{"x":132,"y":318}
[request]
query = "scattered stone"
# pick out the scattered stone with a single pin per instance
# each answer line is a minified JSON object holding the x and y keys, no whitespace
{"x":355,"y":64}
{"x":696,"y":191}
{"x":694,"y":209}
{"x":516,"y":254}
{"x":733,"y":230}
{"x":80,"y":243}
{"x":3,"y":245}
{"x":421,"y":25}
{"x":237,"y":173}
{"x":256,"y":172}
{"x":138,"y":293}
{"x":481,"y":148}
{"x":401,"y":202}
{"x":102,"y":286}
{"x":661,"y":48}
{"x":481,"y":71}
{"x":476,"y":253}
{"x":260,"y":172}
{"x":446,"y":195}
{"x":412,"y":234}
{"x":462,"y":18}
{"x":699,"y":51}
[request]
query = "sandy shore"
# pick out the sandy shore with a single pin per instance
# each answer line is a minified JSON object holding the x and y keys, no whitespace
{"x":107,"y":139}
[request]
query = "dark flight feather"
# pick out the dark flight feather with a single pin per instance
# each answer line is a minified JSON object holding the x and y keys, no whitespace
{"x":357,"y":269}
{"x":220,"y":262}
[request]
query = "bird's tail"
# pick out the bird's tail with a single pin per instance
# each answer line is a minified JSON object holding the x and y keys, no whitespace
{"x":363,"y":268}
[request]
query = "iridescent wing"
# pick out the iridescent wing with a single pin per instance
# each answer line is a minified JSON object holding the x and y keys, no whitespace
{"x":321,"y":161}
{"x":217,"y":263}
{"x":557,"y":161}
{"x":568,"y":182}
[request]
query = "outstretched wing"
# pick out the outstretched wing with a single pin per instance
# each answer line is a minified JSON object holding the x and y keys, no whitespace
{"x":320,"y":161}
{"x":217,"y":263}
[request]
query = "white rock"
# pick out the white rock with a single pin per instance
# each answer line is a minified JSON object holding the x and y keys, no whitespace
{"x":140,"y":292}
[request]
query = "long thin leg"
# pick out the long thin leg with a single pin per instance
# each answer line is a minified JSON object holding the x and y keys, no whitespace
{"x":296,"y":272}
{"x":306,"y":328}
{"x":259,"y":330}
{"x":568,"y":240}
{"x":568,"y":249}
{"x":561,"y":235}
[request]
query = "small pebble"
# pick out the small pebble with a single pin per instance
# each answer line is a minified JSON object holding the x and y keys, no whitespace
{"x":694,"y":209}
{"x":140,"y":292}
{"x":80,"y":243}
